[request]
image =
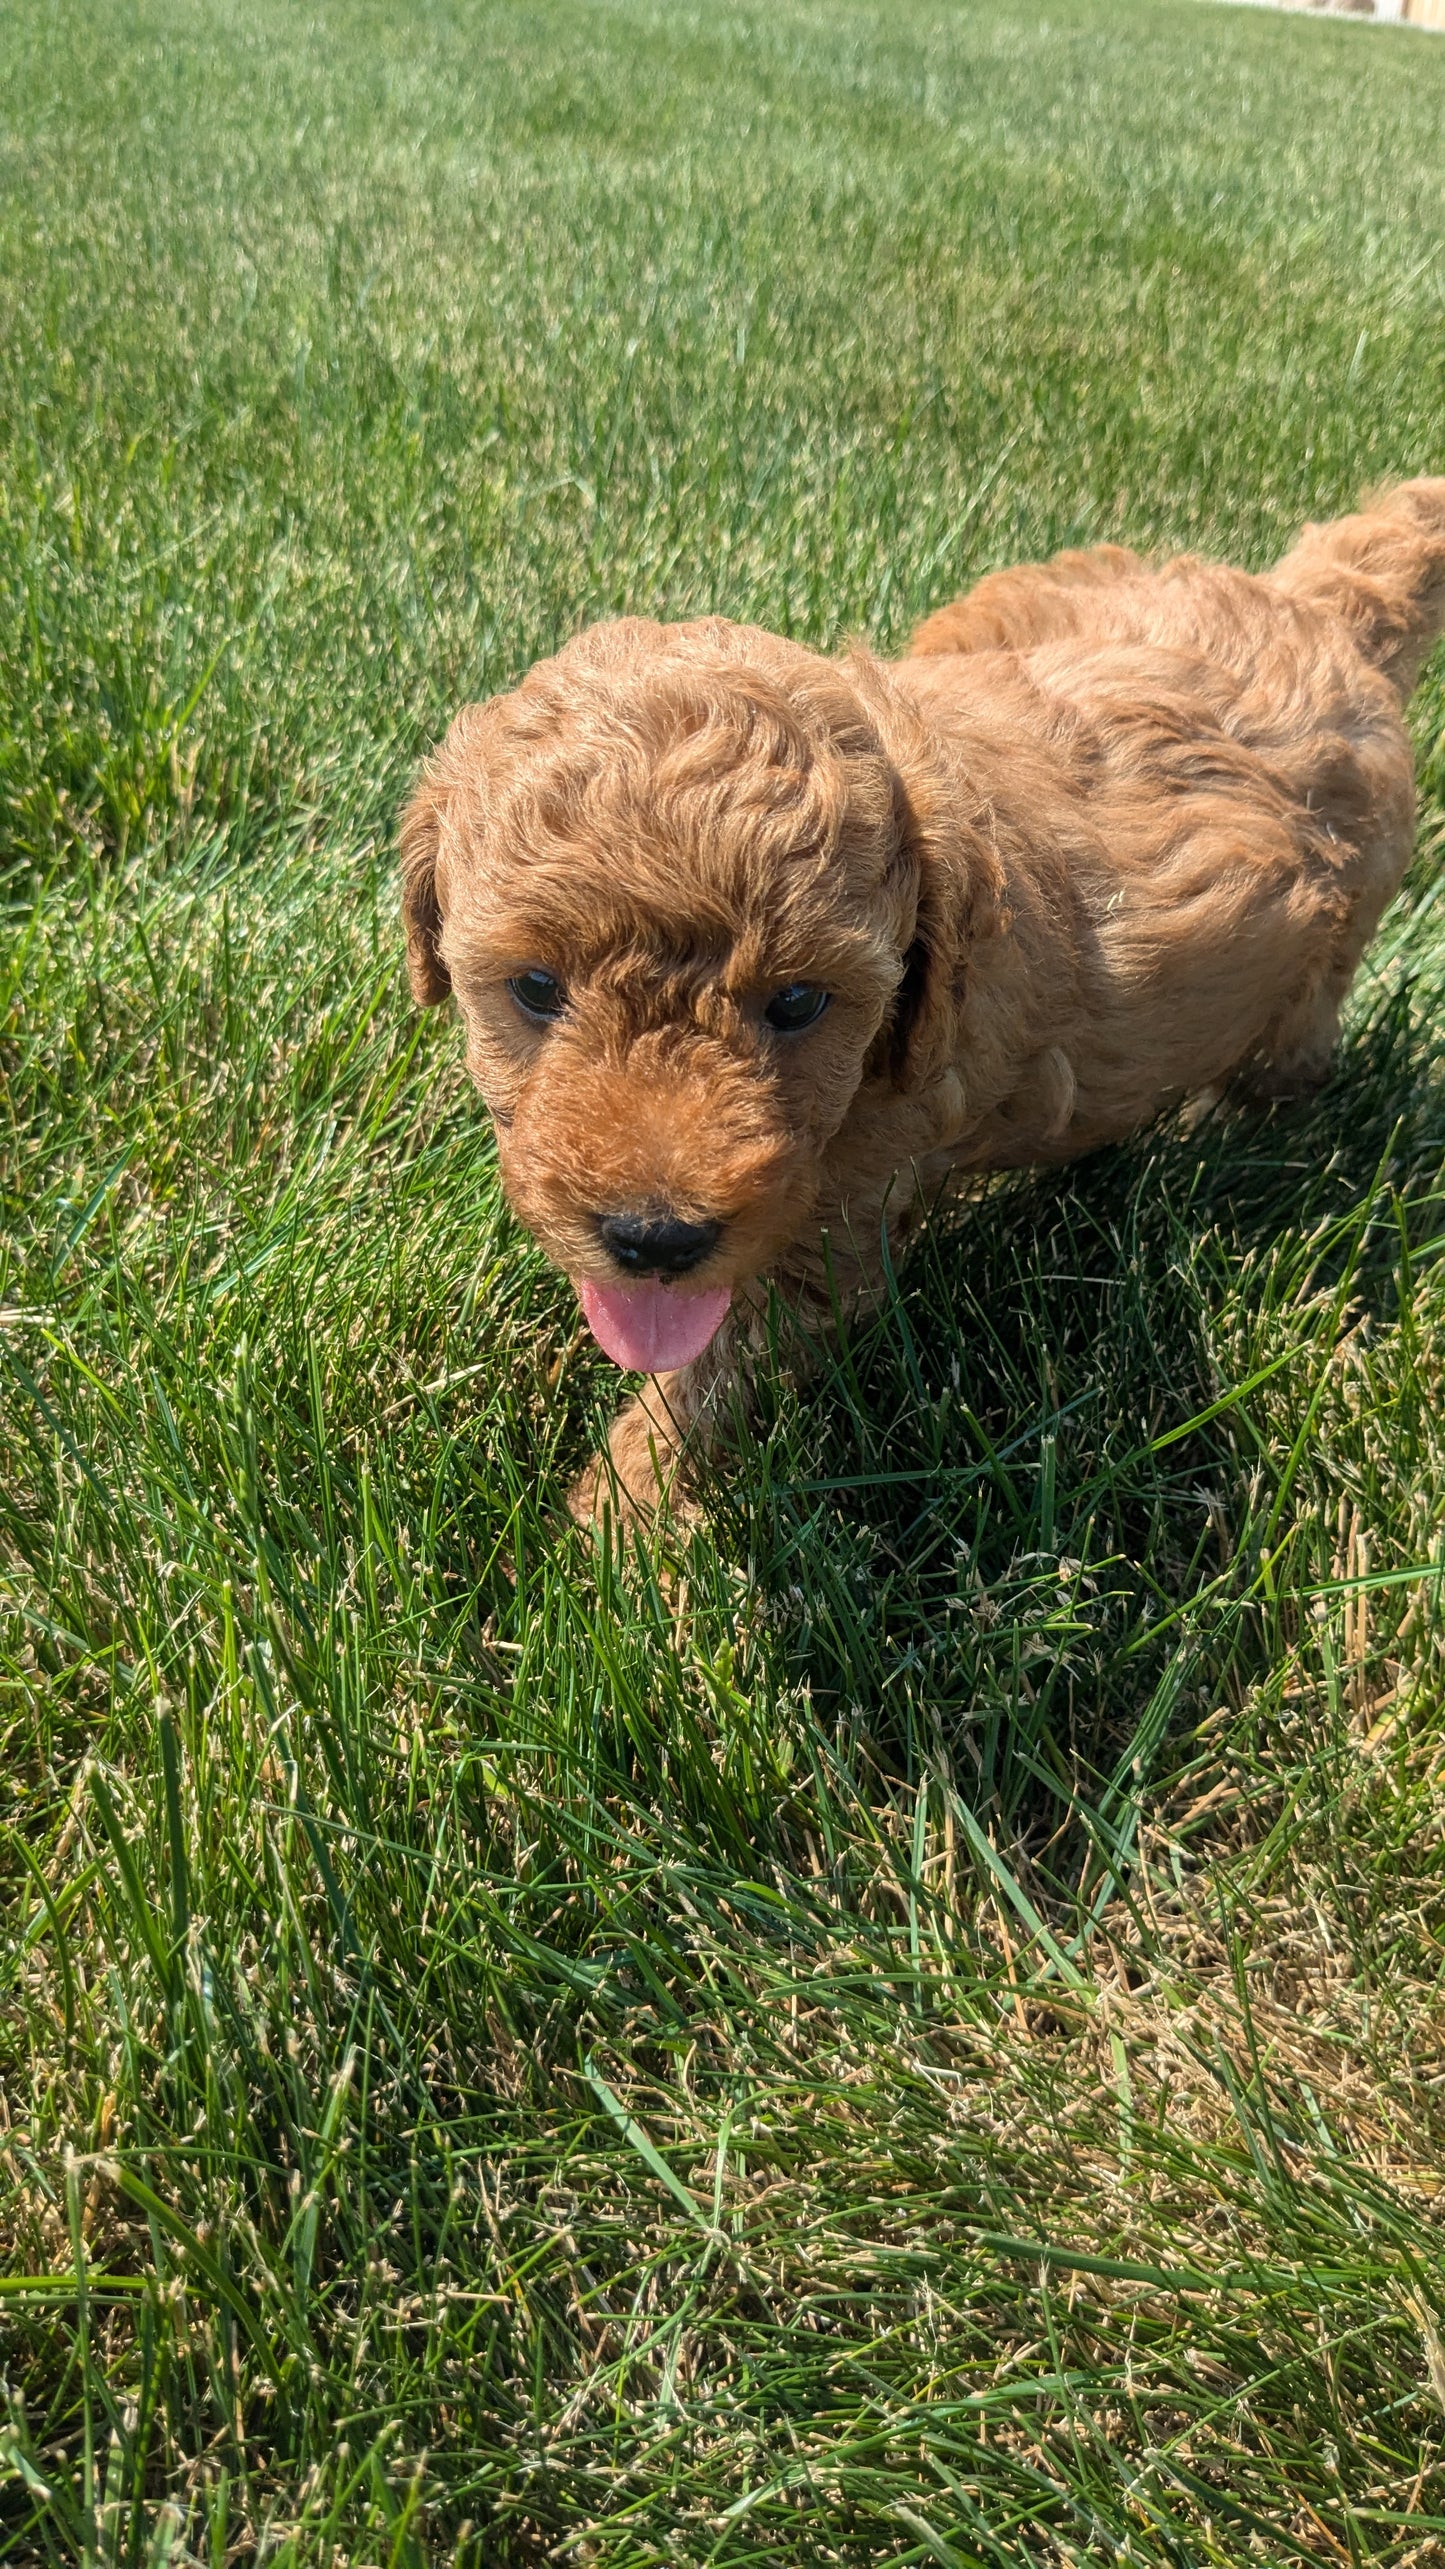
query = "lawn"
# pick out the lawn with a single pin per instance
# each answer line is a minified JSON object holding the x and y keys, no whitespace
{"x":909,"y":2030}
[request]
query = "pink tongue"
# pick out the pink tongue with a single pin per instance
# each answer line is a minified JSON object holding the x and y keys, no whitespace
{"x":652,"y":1328}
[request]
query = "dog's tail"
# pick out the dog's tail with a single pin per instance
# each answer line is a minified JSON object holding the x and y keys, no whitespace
{"x":1382,"y":573}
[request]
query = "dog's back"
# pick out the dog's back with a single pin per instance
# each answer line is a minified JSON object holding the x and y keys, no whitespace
{"x":1238,"y":778}
{"x":1379,"y":576}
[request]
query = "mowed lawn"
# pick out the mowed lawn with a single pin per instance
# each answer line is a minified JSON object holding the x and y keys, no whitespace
{"x":910,"y":2030}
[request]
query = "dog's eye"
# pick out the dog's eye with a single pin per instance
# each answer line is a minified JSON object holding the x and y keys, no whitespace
{"x":800,"y":1005}
{"x":538,"y":993}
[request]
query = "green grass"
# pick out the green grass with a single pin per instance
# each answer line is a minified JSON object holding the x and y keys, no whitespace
{"x":915,"y":2033}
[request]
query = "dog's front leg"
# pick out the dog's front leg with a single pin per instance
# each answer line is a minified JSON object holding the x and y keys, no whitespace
{"x":641,"y":1471}
{"x":644,"y":1472}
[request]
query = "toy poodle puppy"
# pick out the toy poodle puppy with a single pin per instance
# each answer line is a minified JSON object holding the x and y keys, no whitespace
{"x":754,"y":948}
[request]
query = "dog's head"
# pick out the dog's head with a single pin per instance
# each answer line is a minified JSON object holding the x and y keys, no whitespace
{"x":677,"y":884}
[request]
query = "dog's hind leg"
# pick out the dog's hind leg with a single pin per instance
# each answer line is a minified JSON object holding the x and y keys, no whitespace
{"x":1294,"y":1058}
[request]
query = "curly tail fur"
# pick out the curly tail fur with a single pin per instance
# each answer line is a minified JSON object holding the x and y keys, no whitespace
{"x":1382,"y":573}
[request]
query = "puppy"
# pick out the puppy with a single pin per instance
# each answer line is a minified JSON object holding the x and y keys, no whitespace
{"x":754,"y":948}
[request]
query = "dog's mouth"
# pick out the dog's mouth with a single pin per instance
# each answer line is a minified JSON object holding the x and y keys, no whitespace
{"x":653,"y":1328}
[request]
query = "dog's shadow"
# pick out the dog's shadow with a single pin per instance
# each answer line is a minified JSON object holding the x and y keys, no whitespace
{"x":1062,"y":1431}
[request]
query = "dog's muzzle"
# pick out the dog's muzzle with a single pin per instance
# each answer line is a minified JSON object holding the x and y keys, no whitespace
{"x":643,"y":1247}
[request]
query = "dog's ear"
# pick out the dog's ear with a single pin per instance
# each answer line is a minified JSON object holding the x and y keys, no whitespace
{"x":941,"y":882}
{"x":922,"y":1031}
{"x":421,"y":830}
{"x":922,"y":1034}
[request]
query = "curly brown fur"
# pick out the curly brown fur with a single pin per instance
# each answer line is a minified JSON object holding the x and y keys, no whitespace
{"x":1109,"y":836}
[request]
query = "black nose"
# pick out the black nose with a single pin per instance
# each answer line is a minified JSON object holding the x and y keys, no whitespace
{"x":646,"y":1248}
